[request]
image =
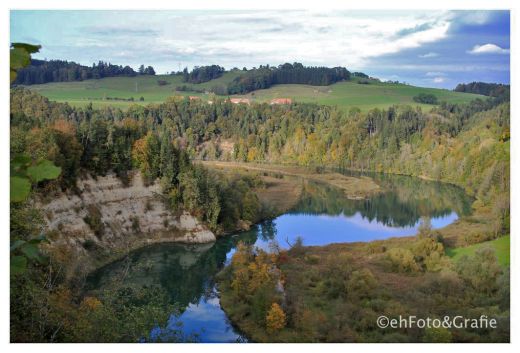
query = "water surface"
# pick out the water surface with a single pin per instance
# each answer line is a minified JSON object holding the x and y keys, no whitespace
{"x":323,"y":216}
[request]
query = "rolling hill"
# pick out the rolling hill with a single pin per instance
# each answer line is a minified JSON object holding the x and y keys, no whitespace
{"x":116,"y":90}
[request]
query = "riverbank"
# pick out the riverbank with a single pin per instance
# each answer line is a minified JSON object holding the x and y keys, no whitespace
{"x":335,"y":293}
{"x":354,"y":188}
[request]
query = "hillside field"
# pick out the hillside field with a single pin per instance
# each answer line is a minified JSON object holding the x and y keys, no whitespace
{"x":501,"y":246}
{"x":345,"y":95}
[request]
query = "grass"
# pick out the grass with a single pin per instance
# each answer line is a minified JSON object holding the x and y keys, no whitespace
{"x":501,"y":245}
{"x":345,"y":95}
{"x":81,"y":93}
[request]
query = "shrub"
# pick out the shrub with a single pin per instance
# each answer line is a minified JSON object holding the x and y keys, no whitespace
{"x":480,"y":270}
{"x":426,"y":98}
{"x":427,"y":253}
{"x":93,"y":219}
{"x":402,"y":260}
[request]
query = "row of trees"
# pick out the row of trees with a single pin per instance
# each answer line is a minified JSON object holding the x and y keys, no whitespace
{"x":43,"y":71}
{"x":201,"y":74}
{"x":266,"y":76}
{"x":486,"y":89}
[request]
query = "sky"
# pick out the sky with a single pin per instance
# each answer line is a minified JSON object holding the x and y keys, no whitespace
{"x":423,"y":48}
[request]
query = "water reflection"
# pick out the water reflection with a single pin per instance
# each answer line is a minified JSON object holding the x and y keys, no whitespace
{"x":322,"y":216}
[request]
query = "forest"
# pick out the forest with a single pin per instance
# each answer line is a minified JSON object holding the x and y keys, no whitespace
{"x":43,"y":71}
{"x":266,"y":76}
{"x":467,"y":145}
{"x":201,"y":74}
{"x":486,"y":89}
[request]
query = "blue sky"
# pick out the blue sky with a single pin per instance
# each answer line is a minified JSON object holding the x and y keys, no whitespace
{"x":425,"y":48}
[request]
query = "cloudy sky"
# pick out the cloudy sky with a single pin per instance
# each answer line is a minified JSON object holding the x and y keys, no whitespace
{"x":425,"y":48}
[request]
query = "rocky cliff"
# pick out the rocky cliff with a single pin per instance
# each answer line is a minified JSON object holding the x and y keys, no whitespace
{"x":106,"y":218}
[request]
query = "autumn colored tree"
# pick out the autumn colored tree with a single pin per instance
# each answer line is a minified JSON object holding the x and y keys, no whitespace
{"x":275,"y":319}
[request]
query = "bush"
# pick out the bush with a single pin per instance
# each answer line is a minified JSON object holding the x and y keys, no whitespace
{"x":93,"y":219}
{"x":402,"y":260}
{"x":426,"y":98}
{"x":480,"y":270}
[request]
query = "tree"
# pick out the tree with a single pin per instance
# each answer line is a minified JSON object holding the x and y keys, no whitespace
{"x":275,"y":319}
{"x":141,"y":69}
{"x":149,"y":71}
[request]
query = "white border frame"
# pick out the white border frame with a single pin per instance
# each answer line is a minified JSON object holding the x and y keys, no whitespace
{"x":8,"y":5}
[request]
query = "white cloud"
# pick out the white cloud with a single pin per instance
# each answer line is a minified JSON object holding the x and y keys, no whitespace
{"x":472,"y":17}
{"x":488,"y":49}
{"x":429,"y":55}
{"x":439,"y":79}
{"x":251,"y":38}
{"x":435,"y":73}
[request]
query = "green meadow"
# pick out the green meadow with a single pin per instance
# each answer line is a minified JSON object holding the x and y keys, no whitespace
{"x":345,"y":95}
{"x":501,"y":245}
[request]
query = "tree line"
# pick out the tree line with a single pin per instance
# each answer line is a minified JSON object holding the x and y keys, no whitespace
{"x":486,"y":89}
{"x":266,"y":76}
{"x":43,"y":71}
{"x":201,"y":74}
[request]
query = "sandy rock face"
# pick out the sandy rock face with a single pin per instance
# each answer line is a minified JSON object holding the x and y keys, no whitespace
{"x":111,"y":214}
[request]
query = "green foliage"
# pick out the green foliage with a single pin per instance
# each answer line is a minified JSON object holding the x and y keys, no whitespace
{"x":201,"y":74}
{"x":20,"y":57}
{"x":402,"y":260}
{"x":487,"y":89}
{"x":501,"y":245}
{"x":44,"y":170}
{"x":23,"y":251}
{"x":426,"y":98}
{"x":19,"y":188}
{"x":18,"y":265}
{"x":265,"y":77}
{"x":23,"y":172}
{"x":480,"y":270}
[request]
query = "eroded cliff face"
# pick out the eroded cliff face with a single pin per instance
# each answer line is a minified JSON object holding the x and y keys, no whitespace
{"x":107,"y":218}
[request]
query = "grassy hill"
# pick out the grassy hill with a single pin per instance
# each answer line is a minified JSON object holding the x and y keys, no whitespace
{"x":343,"y":94}
{"x":501,"y":246}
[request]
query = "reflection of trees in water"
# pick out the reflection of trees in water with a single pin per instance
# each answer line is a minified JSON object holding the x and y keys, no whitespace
{"x":267,"y":230}
{"x":403,"y":203}
{"x":186,"y":272}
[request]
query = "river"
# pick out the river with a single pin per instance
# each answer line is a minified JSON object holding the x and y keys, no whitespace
{"x":323,"y":216}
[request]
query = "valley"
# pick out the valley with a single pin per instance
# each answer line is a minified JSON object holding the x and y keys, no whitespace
{"x":297,"y":205}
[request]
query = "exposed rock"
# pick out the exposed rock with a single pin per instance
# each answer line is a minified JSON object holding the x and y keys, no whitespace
{"x":115,"y":217}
